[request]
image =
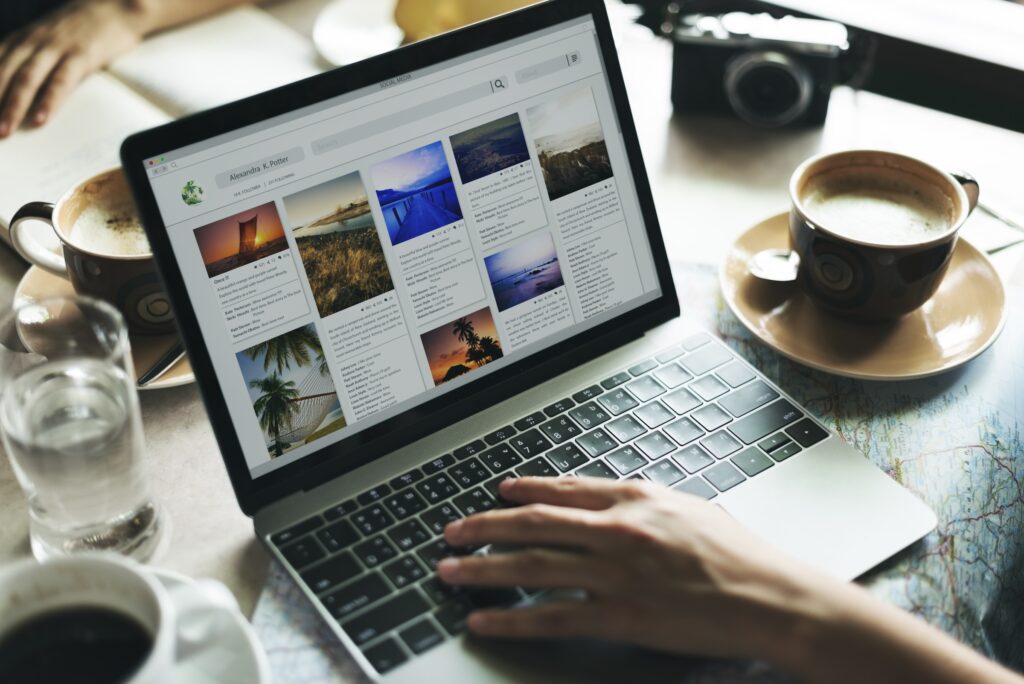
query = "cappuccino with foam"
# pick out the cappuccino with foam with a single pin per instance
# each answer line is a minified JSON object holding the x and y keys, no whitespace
{"x":110,"y":225}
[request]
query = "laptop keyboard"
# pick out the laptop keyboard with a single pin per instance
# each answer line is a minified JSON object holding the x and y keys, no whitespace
{"x":692,"y":417}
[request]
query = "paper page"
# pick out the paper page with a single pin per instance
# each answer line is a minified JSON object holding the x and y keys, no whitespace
{"x":224,"y":58}
{"x":83,"y":138}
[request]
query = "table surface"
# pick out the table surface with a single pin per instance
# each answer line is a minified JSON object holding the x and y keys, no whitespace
{"x":711,"y":179}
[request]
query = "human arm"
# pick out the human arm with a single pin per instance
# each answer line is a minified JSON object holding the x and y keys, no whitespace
{"x":674,"y":573}
{"x":41,"y":64}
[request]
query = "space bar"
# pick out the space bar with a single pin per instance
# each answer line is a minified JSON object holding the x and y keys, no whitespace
{"x":764,"y":421}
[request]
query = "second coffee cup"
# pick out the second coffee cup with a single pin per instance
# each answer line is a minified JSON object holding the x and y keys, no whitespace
{"x":104,"y":249}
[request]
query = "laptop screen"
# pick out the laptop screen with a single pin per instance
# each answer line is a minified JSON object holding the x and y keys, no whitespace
{"x":353,"y":259}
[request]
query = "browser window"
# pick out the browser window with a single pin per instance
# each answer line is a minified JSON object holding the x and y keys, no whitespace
{"x":356,"y":258}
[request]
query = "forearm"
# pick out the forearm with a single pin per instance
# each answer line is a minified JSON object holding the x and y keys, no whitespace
{"x":849,"y":636}
{"x":155,"y":15}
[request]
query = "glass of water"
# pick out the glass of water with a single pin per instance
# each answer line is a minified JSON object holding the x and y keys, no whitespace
{"x":69,"y":414}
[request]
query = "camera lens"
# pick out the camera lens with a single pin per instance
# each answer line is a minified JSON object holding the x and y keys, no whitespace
{"x":767,"y":88}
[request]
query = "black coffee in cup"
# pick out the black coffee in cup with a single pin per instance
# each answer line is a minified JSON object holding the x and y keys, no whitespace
{"x":84,"y":645}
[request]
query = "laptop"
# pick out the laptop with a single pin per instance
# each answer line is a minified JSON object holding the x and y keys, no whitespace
{"x":403,"y":281}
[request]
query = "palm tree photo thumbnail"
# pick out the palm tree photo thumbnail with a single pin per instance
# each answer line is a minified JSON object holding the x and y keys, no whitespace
{"x":292,"y":393}
{"x":463,"y":345}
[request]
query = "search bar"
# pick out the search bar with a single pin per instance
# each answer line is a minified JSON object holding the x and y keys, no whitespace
{"x":417,"y":113}
{"x":548,"y":67}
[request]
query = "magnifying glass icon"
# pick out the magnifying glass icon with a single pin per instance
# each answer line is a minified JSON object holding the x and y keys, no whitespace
{"x":499,"y":84}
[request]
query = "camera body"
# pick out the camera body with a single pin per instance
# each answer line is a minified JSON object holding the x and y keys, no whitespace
{"x":769,"y":72}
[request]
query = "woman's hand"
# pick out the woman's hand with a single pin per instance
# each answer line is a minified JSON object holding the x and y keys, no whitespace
{"x":44,"y":62}
{"x":660,"y":569}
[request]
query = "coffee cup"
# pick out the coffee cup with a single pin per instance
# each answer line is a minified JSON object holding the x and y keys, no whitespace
{"x":99,"y":618}
{"x":104,"y":251}
{"x":875,"y":231}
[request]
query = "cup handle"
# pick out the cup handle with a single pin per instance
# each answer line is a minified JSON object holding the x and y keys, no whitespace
{"x":201,"y":611}
{"x":970,"y":186}
{"x":28,"y":248}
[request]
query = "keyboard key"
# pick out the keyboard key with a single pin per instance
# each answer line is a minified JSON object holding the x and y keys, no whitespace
{"x":500,"y":458}
{"x":386,"y":616}
{"x":806,"y":433}
{"x":406,"y":479}
{"x":642,"y":367}
{"x":340,"y":510}
{"x":752,"y":461}
{"x":438,"y":464}
{"x":439,"y":592}
{"x":374,"y":551}
{"x":530,"y":443}
{"x":493,"y":597}
{"x":764,"y":421}
{"x":538,"y":467}
{"x":471,"y":449}
{"x":437,"y":488}
{"x":567,"y":457}
{"x":597,"y":469}
{"x":655,"y":445}
{"x":748,"y":398}
{"x":672,"y":375}
{"x":692,"y":458}
{"x":372,"y":519}
{"x":587,"y":393}
{"x":532,"y":420}
{"x":404,"y":571}
{"x":404,"y":504}
{"x":374,"y":495}
{"x":696,"y":341}
{"x":560,"y":406}
{"x":560,"y":429}
{"x":684,"y":431}
{"x":439,"y":516}
{"x":421,"y":636}
{"x":645,"y":388}
{"x":338,"y":536}
{"x":709,"y":387}
{"x":408,"y":534}
{"x":700,"y":362}
{"x":589,"y":415}
{"x":774,"y":442}
{"x":295,"y":531}
{"x":665,"y":472}
{"x":669,"y":354}
{"x":499,"y":435}
{"x":697,"y":487}
{"x":332,"y":573}
{"x":724,"y":476}
{"x":654,"y":414}
{"x":452,"y":615}
{"x":711,"y":417}
{"x":735,"y":374}
{"x":469,"y":473}
{"x":681,"y":401}
{"x":385,"y":656}
{"x":303,"y":552}
{"x":432,"y":553}
{"x":596,"y":442}
{"x":356,"y":595}
{"x":625,"y":428}
{"x":782,"y":453}
{"x":626,"y":460}
{"x":491,"y":486}
{"x":617,"y":402}
{"x":721,"y":444}
{"x":476,"y":500}
{"x":616,"y":380}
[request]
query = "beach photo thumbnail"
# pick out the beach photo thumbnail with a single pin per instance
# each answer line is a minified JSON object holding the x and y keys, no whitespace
{"x":570,"y":143}
{"x":291,"y":390}
{"x":489,"y":148}
{"x":338,"y":243}
{"x":458,"y":347}
{"x":416,"y":192}
{"x":241,"y":239}
{"x":524,"y":271}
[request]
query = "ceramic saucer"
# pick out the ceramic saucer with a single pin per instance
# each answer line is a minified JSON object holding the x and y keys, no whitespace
{"x":37,"y":284}
{"x":961,"y":320}
{"x":234,"y":656}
